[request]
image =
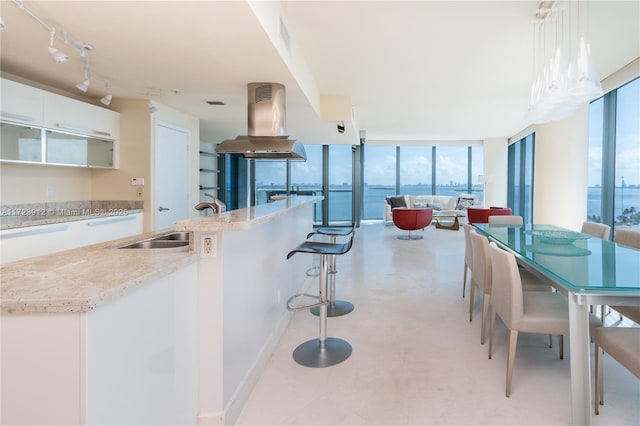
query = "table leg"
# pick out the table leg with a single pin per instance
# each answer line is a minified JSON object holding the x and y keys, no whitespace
{"x":579,"y":361}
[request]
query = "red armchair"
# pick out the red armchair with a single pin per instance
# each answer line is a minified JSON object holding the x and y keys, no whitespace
{"x":476,"y":215}
{"x":411,"y":220}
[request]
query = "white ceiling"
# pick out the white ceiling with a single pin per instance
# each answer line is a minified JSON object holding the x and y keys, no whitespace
{"x":419,"y":70}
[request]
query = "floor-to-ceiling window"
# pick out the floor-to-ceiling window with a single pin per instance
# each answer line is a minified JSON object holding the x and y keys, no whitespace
{"x":306,"y":177}
{"x":614,"y":158}
{"x":340,"y":174}
{"x":520,"y":177}
{"x":452,"y":170}
{"x":387,"y":170}
{"x":379,"y":179}
{"x":416,"y":175}
{"x":270,"y":179}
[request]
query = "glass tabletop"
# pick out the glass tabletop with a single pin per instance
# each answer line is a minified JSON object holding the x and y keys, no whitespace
{"x":575,"y":260}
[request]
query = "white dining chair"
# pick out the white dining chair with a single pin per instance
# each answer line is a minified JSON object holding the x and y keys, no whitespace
{"x":623,"y":344}
{"x":506,"y":220}
{"x":468,"y":258}
{"x":627,"y":237}
{"x":481,"y":278}
{"x":542,"y":312}
{"x":598,"y":230}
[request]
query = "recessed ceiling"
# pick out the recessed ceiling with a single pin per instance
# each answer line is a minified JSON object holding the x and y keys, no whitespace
{"x":418,"y":70}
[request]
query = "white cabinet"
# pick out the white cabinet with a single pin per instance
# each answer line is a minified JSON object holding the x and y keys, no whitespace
{"x":31,"y":241}
{"x":21,"y":103}
{"x":66,"y":114}
{"x":131,"y":361}
{"x":43,"y":127}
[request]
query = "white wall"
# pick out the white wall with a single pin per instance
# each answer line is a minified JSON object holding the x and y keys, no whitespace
{"x":560,"y":175}
{"x":495,"y":172}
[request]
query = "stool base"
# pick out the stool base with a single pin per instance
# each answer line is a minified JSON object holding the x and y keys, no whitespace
{"x":335,"y":309}
{"x":410,"y":237}
{"x":311,"y":354}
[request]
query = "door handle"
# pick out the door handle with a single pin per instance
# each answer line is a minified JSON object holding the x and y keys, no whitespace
{"x":162,"y":208}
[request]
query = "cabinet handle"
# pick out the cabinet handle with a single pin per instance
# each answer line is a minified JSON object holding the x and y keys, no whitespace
{"x":160,"y":209}
{"x":81,"y":129}
{"x":113,"y":220}
{"x":13,"y":116}
{"x":34,"y":232}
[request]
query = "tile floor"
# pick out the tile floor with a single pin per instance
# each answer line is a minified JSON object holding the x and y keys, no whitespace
{"x":417,"y":360}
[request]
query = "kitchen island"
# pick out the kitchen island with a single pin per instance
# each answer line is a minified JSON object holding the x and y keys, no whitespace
{"x":151,"y":336}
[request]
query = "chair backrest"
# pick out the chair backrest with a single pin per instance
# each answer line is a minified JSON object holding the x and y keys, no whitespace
{"x":598,"y":230}
{"x":500,"y":211}
{"x":468,"y":250}
{"x":627,"y":237}
{"x":411,"y":219}
{"x":506,"y":293}
{"x":477,"y":215}
{"x":505,"y":220}
{"x":481,"y":275}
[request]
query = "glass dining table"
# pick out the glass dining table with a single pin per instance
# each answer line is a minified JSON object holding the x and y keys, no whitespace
{"x":589,"y":271}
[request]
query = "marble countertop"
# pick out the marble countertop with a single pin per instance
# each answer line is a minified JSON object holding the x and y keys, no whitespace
{"x":82,"y":279}
{"x":242,"y":219}
{"x":25,"y":215}
{"x":85,"y":278}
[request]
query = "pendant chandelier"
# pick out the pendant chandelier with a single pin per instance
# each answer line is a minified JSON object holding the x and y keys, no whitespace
{"x":564,"y":76}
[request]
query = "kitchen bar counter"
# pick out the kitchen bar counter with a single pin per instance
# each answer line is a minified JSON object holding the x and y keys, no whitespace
{"x":243,"y":219}
{"x":82,"y":279}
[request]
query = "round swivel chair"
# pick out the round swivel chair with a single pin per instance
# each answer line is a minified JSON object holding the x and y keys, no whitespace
{"x":411,"y":220}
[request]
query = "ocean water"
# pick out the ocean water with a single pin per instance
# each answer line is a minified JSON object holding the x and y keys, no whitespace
{"x":340,"y":199}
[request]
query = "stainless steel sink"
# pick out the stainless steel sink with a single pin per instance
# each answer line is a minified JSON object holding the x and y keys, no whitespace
{"x":175,"y":239}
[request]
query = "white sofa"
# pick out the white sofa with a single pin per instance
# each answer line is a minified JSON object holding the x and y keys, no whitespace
{"x":442,"y":205}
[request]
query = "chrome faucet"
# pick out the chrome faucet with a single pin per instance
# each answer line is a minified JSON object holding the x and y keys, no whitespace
{"x":217,"y":206}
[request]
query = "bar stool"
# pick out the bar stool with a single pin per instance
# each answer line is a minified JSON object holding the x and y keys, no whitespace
{"x":323,"y":351}
{"x":335,"y":307}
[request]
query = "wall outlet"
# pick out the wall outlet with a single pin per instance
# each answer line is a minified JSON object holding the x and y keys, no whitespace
{"x":208,"y":244}
{"x":139,"y":191}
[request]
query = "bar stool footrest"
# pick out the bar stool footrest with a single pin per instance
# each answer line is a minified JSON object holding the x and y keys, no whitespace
{"x":303,"y":307}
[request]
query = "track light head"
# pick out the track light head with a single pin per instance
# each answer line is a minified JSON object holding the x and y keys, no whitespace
{"x":106,"y":99}
{"x":58,"y":56}
{"x":84,"y":86}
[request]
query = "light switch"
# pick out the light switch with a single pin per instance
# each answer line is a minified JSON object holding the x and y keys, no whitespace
{"x":137,"y":181}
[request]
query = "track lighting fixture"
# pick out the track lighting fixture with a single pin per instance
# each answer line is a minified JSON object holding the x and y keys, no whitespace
{"x":84,"y":85}
{"x":57,"y":56}
{"x":106,"y":99}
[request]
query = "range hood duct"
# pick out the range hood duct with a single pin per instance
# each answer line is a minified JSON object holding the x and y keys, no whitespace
{"x":267,"y":139}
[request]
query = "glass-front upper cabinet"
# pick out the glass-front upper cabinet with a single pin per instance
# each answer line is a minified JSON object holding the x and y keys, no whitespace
{"x":20,"y":143}
{"x":76,"y":150}
{"x":35,"y":145}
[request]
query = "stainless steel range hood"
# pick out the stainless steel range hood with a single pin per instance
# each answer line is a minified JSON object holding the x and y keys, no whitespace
{"x":267,"y":139}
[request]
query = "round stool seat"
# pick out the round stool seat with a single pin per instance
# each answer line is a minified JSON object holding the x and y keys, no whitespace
{"x":333,"y":232}
{"x":317,"y":247}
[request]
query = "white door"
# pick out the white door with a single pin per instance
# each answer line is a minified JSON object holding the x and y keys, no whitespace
{"x":171,"y":175}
